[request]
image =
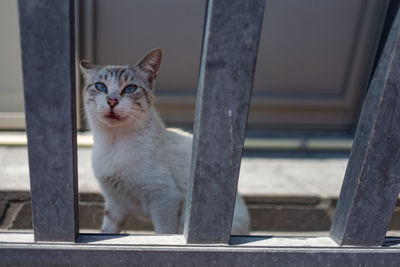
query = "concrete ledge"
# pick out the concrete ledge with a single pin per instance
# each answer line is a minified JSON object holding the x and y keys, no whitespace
{"x":85,"y":139}
{"x":285,"y":214}
{"x":283,"y":193}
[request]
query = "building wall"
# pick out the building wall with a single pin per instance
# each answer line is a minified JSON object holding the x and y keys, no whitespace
{"x":313,"y":68}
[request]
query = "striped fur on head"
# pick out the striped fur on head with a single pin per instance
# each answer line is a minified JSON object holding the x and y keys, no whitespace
{"x":116,"y":106}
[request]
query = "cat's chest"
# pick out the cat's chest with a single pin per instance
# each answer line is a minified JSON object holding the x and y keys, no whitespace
{"x":123,"y":160}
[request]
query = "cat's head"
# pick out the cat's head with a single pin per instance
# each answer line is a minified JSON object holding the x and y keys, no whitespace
{"x":120,"y":95}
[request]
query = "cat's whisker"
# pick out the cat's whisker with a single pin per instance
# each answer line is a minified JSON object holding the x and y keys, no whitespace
{"x":136,"y":119}
{"x":136,"y":113}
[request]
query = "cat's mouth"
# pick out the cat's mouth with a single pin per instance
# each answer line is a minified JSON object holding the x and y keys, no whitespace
{"x":112,"y":115}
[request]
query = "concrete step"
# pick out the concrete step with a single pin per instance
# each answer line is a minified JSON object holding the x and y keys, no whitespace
{"x":285,"y":214}
{"x":292,"y":192}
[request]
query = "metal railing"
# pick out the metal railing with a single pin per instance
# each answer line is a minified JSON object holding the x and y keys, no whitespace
{"x":232,"y":30}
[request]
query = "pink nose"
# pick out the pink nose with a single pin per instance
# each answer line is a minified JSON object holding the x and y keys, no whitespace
{"x":112,"y":102}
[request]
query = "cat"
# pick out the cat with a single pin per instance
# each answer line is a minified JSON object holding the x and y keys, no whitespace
{"x":142,"y":167}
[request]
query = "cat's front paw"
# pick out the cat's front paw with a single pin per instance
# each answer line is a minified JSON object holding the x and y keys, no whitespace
{"x":109,"y":225}
{"x":110,"y":229}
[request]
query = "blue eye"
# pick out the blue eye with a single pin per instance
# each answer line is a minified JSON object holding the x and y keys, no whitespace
{"x":101,"y":87}
{"x":130,"y":89}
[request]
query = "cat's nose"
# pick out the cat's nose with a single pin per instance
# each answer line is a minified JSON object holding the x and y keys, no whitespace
{"x":112,"y":102}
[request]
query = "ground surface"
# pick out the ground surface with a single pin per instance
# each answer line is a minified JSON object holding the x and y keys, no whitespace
{"x":284,"y":192}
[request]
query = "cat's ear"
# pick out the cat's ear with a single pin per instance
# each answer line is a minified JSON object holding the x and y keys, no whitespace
{"x":85,"y":65}
{"x":151,"y":62}
{"x":87,"y":68}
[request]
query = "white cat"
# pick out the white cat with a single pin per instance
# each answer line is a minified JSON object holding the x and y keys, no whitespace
{"x":142,"y":167}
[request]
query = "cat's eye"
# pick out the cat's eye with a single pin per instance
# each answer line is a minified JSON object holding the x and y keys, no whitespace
{"x":101,"y":87}
{"x":129,"y":89}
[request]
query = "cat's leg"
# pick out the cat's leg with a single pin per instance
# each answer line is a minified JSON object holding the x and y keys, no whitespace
{"x":164,"y":212}
{"x":114,"y":218}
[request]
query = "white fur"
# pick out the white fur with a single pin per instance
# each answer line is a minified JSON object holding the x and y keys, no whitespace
{"x":152,"y":170}
{"x":142,"y":167}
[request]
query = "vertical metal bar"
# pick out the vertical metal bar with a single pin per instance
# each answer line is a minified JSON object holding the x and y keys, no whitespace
{"x":389,"y":18}
{"x":232,"y":33}
{"x":47,"y":42}
{"x":372,"y":180}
